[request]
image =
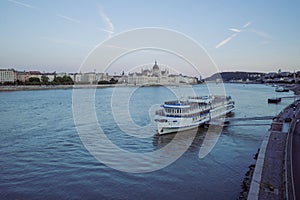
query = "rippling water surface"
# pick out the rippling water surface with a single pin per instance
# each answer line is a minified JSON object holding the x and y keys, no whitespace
{"x":42,"y":156}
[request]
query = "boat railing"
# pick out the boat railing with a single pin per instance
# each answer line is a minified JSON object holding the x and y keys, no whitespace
{"x":172,"y":102}
{"x":160,"y":112}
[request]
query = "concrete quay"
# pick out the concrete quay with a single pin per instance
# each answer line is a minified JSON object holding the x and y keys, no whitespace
{"x":273,"y":177}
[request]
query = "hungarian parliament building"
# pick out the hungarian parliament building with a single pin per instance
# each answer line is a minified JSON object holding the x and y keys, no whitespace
{"x":157,"y":76}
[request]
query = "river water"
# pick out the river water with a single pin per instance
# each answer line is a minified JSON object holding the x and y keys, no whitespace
{"x":43,"y":157}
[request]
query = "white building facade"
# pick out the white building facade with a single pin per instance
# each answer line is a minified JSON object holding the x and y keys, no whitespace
{"x":7,"y":75}
{"x":156,"y":76}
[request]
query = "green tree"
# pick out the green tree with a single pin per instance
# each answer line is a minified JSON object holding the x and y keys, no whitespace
{"x":65,"y":80}
{"x":57,"y":81}
{"x":103,"y":82}
{"x":34,"y":80}
{"x":113,"y":81}
{"x":45,"y":79}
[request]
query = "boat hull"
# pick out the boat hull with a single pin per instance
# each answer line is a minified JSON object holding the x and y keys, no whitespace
{"x":164,"y":128}
{"x":274,"y":100}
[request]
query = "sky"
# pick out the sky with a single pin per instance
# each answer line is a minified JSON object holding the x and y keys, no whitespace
{"x":58,"y":35}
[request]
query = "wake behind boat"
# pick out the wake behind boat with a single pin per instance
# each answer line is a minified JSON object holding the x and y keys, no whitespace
{"x":186,"y":114}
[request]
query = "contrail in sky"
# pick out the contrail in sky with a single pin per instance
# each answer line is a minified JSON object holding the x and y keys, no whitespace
{"x":109,"y":25}
{"x":68,"y":18}
{"x":105,"y":30}
{"x":247,"y":24}
{"x":21,"y":4}
{"x":223,"y":42}
{"x":261,"y":33}
{"x":236,"y":32}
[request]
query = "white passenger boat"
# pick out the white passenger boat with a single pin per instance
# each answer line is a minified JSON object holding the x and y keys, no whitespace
{"x":186,"y":114}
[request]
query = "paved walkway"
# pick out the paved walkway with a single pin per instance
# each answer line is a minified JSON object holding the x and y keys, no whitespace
{"x":268,"y":181}
{"x":272,"y":183}
{"x":295,"y":153}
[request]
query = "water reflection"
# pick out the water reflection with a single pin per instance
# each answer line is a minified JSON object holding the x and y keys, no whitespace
{"x":208,"y":133}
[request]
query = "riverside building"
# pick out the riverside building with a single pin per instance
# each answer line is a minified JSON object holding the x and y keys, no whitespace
{"x":7,"y":76}
{"x":157,"y":76}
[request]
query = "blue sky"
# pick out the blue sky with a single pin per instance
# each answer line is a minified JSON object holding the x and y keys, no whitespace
{"x":57,"y":35}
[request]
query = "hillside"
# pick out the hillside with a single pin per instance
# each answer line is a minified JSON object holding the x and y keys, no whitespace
{"x":235,"y":76}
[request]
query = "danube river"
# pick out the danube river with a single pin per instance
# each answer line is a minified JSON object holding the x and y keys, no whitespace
{"x":42,"y":156}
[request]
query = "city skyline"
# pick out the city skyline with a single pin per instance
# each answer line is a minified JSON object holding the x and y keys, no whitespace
{"x":238,"y":36}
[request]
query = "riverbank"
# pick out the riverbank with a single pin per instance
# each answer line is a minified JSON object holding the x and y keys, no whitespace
{"x":268,"y":179}
{"x":295,"y":88}
{"x":54,"y":87}
{"x":87,"y":86}
{"x":33,"y":87}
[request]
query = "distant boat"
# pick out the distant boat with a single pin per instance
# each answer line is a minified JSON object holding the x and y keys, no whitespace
{"x":281,"y":89}
{"x":274,"y":100}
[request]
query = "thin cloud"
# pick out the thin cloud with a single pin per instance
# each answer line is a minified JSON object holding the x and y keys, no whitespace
{"x":236,"y":32}
{"x":247,"y":24}
{"x":261,"y":33}
{"x":107,"y":31}
{"x":223,"y":42}
{"x":110,"y":29}
{"x":68,"y":18}
{"x":21,"y":4}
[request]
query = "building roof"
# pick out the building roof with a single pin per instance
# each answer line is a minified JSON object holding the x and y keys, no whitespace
{"x":35,"y":72}
{"x":155,"y":66}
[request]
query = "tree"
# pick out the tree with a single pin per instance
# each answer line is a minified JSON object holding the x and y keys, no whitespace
{"x":45,"y":79}
{"x":65,"y":80}
{"x":34,"y":80}
{"x":113,"y":81}
{"x":103,"y":82}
